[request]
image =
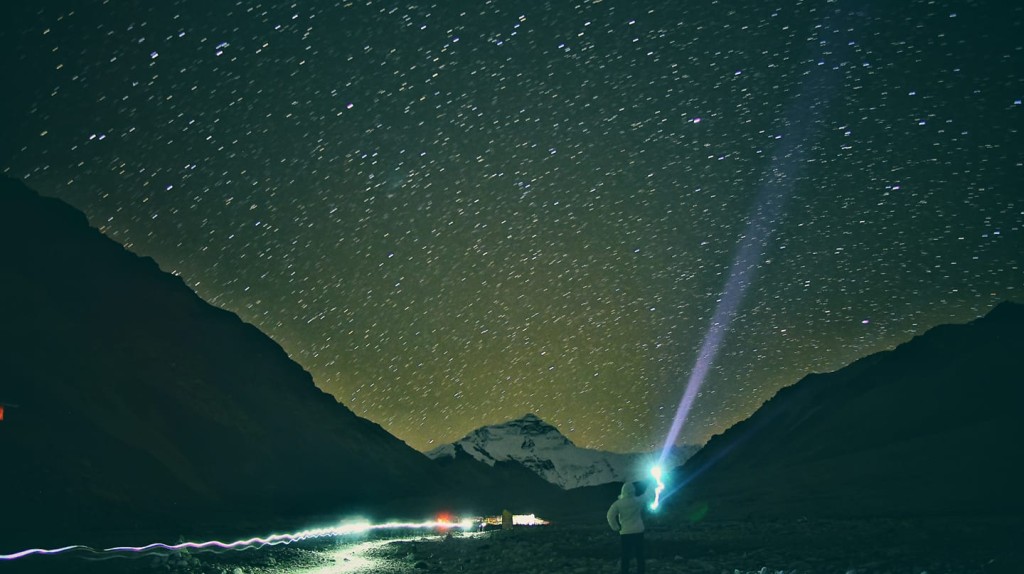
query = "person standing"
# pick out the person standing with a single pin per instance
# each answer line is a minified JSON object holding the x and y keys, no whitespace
{"x":625,"y":516}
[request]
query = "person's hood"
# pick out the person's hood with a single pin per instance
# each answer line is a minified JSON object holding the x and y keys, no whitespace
{"x":628,"y":490}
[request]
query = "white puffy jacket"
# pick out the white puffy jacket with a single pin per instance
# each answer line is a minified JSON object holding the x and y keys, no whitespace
{"x":625,"y":515}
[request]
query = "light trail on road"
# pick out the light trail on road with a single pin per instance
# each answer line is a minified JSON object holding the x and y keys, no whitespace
{"x":348,"y":528}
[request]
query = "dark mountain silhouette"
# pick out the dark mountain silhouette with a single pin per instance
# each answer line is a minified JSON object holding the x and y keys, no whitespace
{"x":141,"y":407}
{"x":133,"y":405}
{"x":931,"y":428}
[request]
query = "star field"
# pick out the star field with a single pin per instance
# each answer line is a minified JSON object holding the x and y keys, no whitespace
{"x":455,"y":213}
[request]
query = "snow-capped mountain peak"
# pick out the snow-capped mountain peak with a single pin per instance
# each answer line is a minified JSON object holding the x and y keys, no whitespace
{"x":540,"y":447}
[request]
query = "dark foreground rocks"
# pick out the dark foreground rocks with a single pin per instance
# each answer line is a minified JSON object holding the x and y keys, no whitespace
{"x":876,"y":546}
{"x":945,"y":546}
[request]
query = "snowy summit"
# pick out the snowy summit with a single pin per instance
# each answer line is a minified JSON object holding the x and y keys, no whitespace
{"x":541,"y":448}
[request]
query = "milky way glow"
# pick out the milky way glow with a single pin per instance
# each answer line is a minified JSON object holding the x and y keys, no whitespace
{"x":347,"y":528}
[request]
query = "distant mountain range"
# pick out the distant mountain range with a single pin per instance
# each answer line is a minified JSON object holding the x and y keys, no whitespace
{"x":544,"y":450}
{"x":933,"y":427}
{"x":133,"y":405}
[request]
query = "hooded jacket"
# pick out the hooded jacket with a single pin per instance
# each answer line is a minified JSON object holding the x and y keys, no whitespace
{"x":625,"y":515}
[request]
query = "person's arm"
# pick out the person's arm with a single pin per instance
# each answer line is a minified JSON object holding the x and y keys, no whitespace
{"x":647,"y":498}
{"x":649,"y":495}
{"x":613,"y":517}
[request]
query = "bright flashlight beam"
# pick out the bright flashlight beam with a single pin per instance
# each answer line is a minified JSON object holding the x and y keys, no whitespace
{"x":755,"y":238}
{"x":345,"y":529}
{"x":656,"y":473}
{"x":804,"y":115}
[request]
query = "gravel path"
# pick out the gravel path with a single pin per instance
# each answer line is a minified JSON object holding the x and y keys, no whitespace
{"x":877,"y":546}
{"x":859,"y":547}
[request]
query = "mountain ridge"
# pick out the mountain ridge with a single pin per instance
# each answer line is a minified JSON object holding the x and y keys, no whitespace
{"x":542,"y":448}
{"x":131,"y":372}
{"x":894,"y":433}
{"x":140,"y":406}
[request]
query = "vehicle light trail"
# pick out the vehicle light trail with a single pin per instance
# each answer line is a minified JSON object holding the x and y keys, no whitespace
{"x":344,"y":529}
{"x":42,"y":551}
{"x":801,"y":122}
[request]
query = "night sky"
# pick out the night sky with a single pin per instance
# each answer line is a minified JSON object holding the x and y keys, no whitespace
{"x":456,"y":213}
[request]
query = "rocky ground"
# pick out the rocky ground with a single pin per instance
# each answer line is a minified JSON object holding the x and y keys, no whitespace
{"x":861,"y":547}
{"x":949,"y":546}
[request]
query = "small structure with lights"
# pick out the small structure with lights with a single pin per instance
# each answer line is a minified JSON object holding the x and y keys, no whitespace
{"x":489,"y":522}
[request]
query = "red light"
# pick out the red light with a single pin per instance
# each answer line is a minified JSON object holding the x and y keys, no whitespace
{"x":1,"y":412}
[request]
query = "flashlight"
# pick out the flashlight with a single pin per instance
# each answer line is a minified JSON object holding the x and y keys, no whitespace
{"x":656,"y":473}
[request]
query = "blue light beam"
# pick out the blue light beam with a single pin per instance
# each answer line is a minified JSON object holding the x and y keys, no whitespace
{"x":802,"y":122}
{"x":656,"y":473}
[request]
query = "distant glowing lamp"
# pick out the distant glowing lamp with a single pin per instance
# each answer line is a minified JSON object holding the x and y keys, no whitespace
{"x":656,"y":473}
